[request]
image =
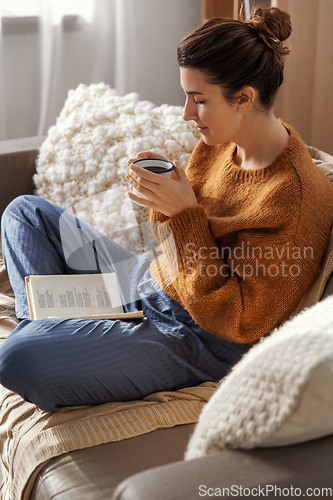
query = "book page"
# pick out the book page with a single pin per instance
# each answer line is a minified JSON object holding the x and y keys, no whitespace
{"x":73,"y":296}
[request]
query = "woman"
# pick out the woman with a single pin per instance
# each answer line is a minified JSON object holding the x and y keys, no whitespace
{"x":252,"y":216}
{"x":250,"y":204}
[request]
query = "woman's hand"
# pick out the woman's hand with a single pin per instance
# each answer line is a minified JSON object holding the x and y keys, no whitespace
{"x":146,"y":154}
{"x":168,"y":195}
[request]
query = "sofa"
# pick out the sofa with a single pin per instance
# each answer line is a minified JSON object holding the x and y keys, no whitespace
{"x":151,"y":466}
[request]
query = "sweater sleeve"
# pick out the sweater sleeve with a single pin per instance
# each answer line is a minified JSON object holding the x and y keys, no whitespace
{"x":239,"y":295}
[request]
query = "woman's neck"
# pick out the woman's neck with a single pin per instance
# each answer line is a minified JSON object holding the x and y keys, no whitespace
{"x":262,"y":142}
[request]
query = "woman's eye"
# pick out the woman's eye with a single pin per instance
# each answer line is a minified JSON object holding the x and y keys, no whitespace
{"x":199,"y":102}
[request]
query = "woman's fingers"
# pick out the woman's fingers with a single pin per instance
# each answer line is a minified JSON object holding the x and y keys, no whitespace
{"x":145,"y":154}
{"x":137,"y":182}
{"x":142,"y":201}
{"x":149,"y":154}
{"x":140,"y":174}
{"x":142,"y":180}
{"x":163,"y":193}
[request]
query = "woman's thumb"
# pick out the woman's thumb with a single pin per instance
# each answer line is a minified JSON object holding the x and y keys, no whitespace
{"x":180,"y":172}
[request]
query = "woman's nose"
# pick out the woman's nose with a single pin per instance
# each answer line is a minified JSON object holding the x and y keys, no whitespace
{"x":190,"y":111}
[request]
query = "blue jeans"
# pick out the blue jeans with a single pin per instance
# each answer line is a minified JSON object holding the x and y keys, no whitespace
{"x":56,"y":363}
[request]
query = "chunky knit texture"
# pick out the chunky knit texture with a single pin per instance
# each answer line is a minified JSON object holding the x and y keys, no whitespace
{"x":265,"y":388}
{"x":83,"y":160}
{"x":242,"y":260}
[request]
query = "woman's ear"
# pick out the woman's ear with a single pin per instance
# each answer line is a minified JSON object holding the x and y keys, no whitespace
{"x":245,"y":99}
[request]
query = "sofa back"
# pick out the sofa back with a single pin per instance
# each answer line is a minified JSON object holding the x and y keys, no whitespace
{"x":17,"y":166}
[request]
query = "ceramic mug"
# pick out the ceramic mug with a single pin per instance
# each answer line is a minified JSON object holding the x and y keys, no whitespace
{"x":161,"y":167}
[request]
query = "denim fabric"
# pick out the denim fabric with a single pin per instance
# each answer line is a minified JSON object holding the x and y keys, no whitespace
{"x":71,"y":362}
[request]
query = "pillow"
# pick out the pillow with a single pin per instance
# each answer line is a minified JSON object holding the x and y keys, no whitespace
{"x":280,"y":393}
{"x":323,"y":160}
{"x":83,"y":160}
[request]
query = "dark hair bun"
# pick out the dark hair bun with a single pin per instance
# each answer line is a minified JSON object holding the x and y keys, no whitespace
{"x":271,"y":22}
{"x":235,"y":53}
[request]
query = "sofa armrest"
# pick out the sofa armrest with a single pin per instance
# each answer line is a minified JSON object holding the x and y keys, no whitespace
{"x":17,"y":166}
{"x":305,"y":465}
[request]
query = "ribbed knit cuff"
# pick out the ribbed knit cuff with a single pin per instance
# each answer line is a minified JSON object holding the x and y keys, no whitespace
{"x":157,"y":217}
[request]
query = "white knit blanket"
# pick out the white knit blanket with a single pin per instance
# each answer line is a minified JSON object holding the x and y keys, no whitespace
{"x":267,"y":387}
{"x":83,"y":160}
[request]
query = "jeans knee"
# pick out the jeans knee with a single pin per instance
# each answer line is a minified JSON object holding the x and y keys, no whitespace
{"x":12,"y":364}
{"x":8,"y":212}
{"x":20,"y":370}
{"x":17,"y":361}
{"x":17,"y":203}
{"x":15,"y":207}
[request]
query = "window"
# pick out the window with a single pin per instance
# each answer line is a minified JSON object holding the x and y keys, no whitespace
{"x":59,"y":8}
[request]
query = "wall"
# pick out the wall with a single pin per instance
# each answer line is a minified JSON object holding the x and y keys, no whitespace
{"x":147,"y":52}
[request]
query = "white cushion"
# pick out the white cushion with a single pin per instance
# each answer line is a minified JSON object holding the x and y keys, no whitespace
{"x":280,"y":393}
{"x":84,"y":157}
{"x":313,"y":417}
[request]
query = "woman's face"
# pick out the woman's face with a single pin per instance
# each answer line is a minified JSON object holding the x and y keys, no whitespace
{"x":216,"y":119}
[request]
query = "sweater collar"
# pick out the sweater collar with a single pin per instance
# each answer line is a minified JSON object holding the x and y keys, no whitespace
{"x":291,"y":148}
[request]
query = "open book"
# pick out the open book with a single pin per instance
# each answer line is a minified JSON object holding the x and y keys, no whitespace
{"x":86,"y":296}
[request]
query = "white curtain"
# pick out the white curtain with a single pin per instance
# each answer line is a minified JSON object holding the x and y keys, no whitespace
{"x":45,"y":52}
{"x":72,"y":51}
{"x":306,"y":98}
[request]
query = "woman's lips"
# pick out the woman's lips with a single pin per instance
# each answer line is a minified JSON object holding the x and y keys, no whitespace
{"x":201,"y":129}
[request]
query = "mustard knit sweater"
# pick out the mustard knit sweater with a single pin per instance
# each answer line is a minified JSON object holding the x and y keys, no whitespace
{"x":242,"y":260}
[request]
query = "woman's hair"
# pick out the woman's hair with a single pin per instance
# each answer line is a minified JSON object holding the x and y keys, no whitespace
{"x":238,"y":53}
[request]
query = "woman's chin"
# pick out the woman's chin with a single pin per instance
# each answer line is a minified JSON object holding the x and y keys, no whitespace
{"x":209,"y":140}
